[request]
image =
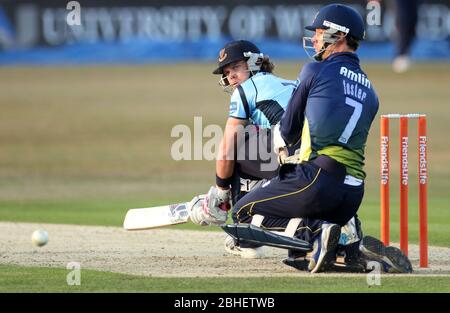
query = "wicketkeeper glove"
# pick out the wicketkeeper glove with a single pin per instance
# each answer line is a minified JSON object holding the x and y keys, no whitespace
{"x":279,"y":145}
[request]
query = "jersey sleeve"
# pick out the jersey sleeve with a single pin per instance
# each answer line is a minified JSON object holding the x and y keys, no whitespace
{"x":238,"y":105}
{"x":291,"y":123}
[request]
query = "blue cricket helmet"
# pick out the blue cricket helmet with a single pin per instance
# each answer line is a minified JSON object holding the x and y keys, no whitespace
{"x":340,"y":17}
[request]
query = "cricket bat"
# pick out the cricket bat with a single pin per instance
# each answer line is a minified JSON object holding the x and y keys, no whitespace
{"x":160,"y":216}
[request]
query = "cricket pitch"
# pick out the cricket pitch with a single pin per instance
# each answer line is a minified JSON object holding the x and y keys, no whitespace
{"x":165,"y":252}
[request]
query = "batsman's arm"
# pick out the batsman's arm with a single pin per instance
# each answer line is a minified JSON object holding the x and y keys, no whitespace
{"x":226,"y":155}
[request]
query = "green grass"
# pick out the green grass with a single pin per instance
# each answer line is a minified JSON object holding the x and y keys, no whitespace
{"x":84,"y":144}
{"x":78,"y":212}
{"x":42,"y":279}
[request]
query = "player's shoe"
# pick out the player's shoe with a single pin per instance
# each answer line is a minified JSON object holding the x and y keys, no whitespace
{"x":300,"y":264}
{"x":392,"y":259}
{"x":324,"y":251}
{"x":297,"y":260}
{"x":247,"y":253}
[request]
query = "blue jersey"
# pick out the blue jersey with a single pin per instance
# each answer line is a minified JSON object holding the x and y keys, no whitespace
{"x":331,"y":111}
{"x":261,"y":99}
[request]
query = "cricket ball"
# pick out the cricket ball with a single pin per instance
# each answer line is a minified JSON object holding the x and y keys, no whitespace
{"x":39,"y":238}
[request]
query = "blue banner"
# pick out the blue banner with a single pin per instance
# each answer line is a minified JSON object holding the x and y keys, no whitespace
{"x":102,"y":32}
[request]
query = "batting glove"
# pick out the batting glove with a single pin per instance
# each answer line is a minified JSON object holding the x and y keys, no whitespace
{"x":214,"y":208}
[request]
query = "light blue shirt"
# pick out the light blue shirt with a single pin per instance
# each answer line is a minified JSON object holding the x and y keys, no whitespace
{"x":261,"y":99}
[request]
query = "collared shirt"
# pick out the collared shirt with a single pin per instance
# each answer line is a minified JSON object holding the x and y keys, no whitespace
{"x":261,"y":99}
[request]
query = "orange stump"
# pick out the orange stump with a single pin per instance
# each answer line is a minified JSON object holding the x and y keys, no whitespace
{"x":384,"y":151}
{"x":423,"y":182}
{"x":404,"y":184}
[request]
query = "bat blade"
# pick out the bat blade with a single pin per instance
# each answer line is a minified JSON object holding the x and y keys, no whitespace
{"x":148,"y":218}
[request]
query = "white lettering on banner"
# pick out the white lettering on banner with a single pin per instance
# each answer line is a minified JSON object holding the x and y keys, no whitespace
{"x":177,"y":23}
{"x":53,"y":32}
{"x":250,"y":22}
{"x":124,"y":23}
{"x":287,"y":22}
{"x":105,"y":24}
{"x":125,"y":20}
{"x":190,"y":23}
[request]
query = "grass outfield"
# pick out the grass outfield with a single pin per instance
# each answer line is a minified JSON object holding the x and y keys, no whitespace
{"x":83,"y":144}
{"x":41,"y":279}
